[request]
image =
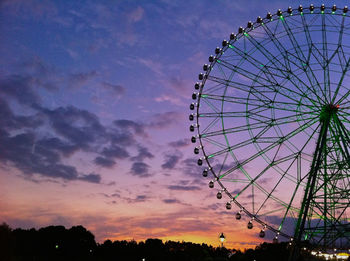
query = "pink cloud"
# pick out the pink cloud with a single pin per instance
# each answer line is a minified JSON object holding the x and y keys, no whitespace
{"x":169,"y":98}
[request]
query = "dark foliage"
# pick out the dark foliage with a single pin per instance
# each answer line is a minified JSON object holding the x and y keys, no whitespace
{"x":57,"y":243}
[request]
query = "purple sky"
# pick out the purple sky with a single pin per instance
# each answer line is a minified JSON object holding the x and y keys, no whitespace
{"x":94,"y":104}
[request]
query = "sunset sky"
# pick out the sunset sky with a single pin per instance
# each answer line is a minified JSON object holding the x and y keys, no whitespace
{"x":94,"y":104}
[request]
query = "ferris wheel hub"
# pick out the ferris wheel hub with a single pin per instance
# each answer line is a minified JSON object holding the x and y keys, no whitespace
{"x":328,"y":110}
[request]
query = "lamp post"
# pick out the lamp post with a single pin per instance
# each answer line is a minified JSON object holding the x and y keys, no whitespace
{"x":222,"y":239}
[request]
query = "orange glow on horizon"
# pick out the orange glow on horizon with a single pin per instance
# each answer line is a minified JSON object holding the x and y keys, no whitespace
{"x":208,"y":238}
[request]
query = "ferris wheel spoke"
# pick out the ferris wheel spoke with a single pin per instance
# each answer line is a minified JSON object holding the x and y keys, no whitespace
{"x":272,"y":60}
{"x":229,"y":83}
{"x":223,"y":164}
{"x":213,"y":142}
{"x":222,"y":71}
{"x":268,"y":71}
{"x":214,"y":88}
{"x":318,"y":56}
{"x":340,"y":84}
{"x":225,"y":179}
{"x":301,"y":151}
{"x":308,"y":38}
{"x":287,"y":119}
{"x":287,"y":158}
{"x":326,"y":77}
{"x":276,"y":142}
{"x":281,"y":202}
{"x":340,"y":30}
{"x":282,"y":50}
{"x":286,"y":108}
{"x":299,"y":179}
{"x":309,"y":73}
{"x":344,"y":143}
{"x":211,"y":124}
{"x":230,"y":99}
{"x":233,"y":84}
{"x":258,"y":125}
{"x":289,"y":207}
{"x":342,"y":58}
{"x":339,"y":140}
{"x":236,"y":85}
{"x":230,"y":115}
{"x":245,"y":73}
{"x":343,"y":128}
{"x":237,"y":146}
{"x":259,"y":136}
{"x":334,"y":54}
{"x":268,"y":55}
{"x":343,"y":119}
{"x":241,"y":128}
{"x":252,"y":184}
{"x":236,"y":100}
{"x":333,"y":22}
{"x":290,"y":104}
{"x":283,"y":69}
{"x":286,"y":208}
{"x":297,"y":94}
{"x":271,"y":212}
{"x":212,"y":106}
{"x":296,"y":158}
{"x":271,"y":71}
{"x":246,"y":88}
{"x":344,"y":106}
{"x":262,"y":96}
{"x":306,"y":65}
{"x":223,"y":114}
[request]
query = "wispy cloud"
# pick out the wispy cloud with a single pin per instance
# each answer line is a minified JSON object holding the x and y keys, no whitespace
{"x":140,"y":169}
{"x":179,"y":143}
{"x":77,"y":80}
{"x":171,"y":159}
{"x":170,"y":98}
{"x":104,"y":162}
{"x":115,"y":89}
{"x":143,"y":153}
{"x":171,"y":201}
{"x":183,"y":188}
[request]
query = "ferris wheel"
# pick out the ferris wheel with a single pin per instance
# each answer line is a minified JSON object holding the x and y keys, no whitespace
{"x":271,"y":124}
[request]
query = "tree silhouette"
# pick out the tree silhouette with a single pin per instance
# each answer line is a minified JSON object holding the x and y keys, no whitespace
{"x":57,"y":243}
{"x":6,"y":242}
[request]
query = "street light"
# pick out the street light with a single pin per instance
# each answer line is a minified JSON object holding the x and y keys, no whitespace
{"x":222,"y":239}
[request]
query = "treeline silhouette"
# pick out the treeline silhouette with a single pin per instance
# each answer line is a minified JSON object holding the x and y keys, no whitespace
{"x":77,"y":243}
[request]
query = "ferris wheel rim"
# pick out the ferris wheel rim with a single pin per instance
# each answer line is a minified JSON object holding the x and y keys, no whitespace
{"x":204,"y":77}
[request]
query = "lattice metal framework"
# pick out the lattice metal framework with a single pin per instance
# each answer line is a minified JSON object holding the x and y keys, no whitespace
{"x":271,"y":112}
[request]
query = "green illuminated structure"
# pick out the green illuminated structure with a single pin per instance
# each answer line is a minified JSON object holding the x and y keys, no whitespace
{"x":271,"y":122}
